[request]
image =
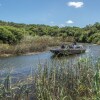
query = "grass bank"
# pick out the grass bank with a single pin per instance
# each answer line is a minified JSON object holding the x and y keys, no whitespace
{"x":57,"y":81}
{"x":31,"y":44}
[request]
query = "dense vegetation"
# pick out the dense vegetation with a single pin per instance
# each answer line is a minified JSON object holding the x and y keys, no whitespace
{"x":57,"y":81}
{"x":60,"y":80}
{"x":12,"y":33}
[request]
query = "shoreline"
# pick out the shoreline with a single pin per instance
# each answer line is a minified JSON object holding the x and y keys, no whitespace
{"x":23,"y":54}
{"x":29,"y":53}
{"x":11,"y":55}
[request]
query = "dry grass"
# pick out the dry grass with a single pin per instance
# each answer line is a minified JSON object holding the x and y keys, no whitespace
{"x":31,"y":44}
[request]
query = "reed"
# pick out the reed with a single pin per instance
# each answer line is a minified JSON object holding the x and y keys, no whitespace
{"x":59,"y":80}
{"x":22,"y":90}
{"x":68,"y":81}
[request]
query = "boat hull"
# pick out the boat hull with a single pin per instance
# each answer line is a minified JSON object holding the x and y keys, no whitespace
{"x":67,"y":51}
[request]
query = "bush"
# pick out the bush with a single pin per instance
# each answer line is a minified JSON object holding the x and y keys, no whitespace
{"x":10,"y":35}
{"x":6,"y":36}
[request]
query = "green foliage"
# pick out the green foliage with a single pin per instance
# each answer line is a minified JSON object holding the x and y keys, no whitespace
{"x":6,"y":36}
{"x":19,"y":91}
{"x":18,"y":34}
{"x":68,"y":81}
{"x":12,"y":32}
{"x":95,"y":38}
{"x":10,"y":35}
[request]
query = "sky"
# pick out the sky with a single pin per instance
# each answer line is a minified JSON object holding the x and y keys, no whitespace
{"x":51,"y":12}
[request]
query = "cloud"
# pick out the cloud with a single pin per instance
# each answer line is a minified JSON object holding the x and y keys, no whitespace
{"x":75,"y":4}
{"x":69,"y":22}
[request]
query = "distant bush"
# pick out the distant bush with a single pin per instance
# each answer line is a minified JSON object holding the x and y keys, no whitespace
{"x":95,"y":38}
{"x":18,"y":33}
{"x":6,"y":36}
{"x":10,"y":35}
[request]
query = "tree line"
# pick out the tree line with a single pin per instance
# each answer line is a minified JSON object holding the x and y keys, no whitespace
{"x":12,"y":33}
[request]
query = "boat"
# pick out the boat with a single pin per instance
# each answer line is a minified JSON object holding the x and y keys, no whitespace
{"x":76,"y":49}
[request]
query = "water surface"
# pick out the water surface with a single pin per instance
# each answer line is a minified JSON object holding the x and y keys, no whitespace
{"x":19,"y":66}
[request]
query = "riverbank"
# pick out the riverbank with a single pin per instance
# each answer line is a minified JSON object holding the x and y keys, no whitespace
{"x":32,"y":45}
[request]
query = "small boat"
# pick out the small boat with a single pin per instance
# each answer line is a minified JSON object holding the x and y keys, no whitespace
{"x":77,"y":49}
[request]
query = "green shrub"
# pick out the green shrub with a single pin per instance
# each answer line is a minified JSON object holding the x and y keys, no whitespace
{"x":6,"y":36}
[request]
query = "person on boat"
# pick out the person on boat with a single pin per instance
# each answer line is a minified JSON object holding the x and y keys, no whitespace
{"x":74,"y":43}
{"x":62,"y":46}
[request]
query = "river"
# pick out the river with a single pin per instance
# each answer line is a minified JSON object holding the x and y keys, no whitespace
{"x":19,"y":66}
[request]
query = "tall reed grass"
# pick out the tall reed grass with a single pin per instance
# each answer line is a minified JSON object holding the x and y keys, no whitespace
{"x":60,"y":80}
{"x":67,"y":81}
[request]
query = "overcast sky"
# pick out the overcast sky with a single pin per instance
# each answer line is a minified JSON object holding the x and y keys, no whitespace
{"x":51,"y":12}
